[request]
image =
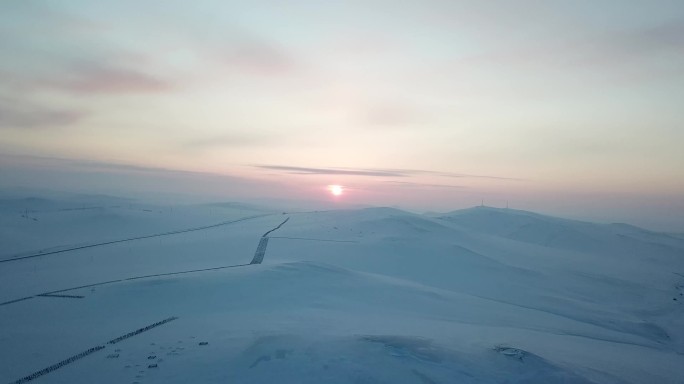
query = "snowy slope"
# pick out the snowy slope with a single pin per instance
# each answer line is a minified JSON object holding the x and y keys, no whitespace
{"x":372,"y":295}
{"x":41,"y":224}
{"x":613,"y":240}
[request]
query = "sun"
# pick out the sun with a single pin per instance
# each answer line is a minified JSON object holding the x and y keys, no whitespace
{"x":336,"y":190}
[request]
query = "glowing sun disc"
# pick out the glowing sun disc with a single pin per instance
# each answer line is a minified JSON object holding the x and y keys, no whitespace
{"x":336,"y":189}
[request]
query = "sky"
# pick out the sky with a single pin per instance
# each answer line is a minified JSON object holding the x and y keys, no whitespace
{"x":565,"y":107}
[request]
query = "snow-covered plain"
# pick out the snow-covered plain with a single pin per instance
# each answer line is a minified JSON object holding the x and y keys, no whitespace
{"x":377,"y":295}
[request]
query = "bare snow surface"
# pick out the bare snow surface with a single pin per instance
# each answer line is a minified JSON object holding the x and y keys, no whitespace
{"x":176,"y":294}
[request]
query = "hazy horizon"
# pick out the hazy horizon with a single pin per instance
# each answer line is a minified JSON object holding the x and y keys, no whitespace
{"x":56,"y":178}
{"x":570,"y":109}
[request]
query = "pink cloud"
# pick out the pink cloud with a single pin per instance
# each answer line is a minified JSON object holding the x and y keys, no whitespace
{"x":96,"y":78}
{"x":259,"y":58}
{"x":16,"y":114}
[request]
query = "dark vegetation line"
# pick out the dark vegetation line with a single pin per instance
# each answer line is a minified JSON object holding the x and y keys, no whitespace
{"x":16,"y":300}
{"x":59,"y":365}
{"x":62,"y":296}
{"x":141,"y":330}
{"x":56,"y":293}
{"x":142,"y":277}
{"x":89,"y":351}
{"x":182,"y":272}
{"x":39,"y":254}
{"x":258,"y":258}
{"x":81,"y":286}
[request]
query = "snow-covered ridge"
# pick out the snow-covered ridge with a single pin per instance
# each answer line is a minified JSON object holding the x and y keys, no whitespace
{"x":371,"y":295}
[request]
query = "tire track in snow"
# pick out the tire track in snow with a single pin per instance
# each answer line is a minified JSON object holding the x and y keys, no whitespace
{"x":89,"y":351}
{"x":170,"y":233}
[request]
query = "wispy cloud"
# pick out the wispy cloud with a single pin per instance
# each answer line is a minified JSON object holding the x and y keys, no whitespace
{"x":100,"y":166}
{"x":253,"y":56}
{"x":51,"y":47}
{"x":84,"y":164}
{"x":95,"y":77}
{"x":423,"y":185}
{"x":665,"y":38}
{"x":16,"y":114}
{"x":375,"y":172}
{"x":415,"y":172}
{"x":329,"y":171}
{"x":466,"y":175}
{"x":127,"y":180}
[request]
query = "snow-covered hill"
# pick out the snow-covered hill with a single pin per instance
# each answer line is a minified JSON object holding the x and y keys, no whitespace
{"x":379,"y":295}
